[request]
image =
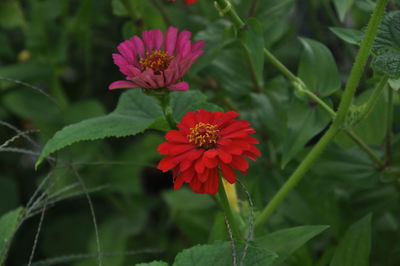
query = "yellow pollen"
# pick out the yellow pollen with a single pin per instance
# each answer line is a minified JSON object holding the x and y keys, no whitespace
{"x":204,"y":135}
{"x":157,"y":60}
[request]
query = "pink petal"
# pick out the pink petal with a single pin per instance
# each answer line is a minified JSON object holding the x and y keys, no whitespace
{"x":122,"y":84}
{"x":126,"y":51}
{"x":158,"y":38}
{"x":139,"y":45}
{"x":121,"y":62}
{"x":183,"y":38}
{"x":181,"y":86}
{"x":170,"y":40}
{"x":197,"y":46}
{"x":147,"y":37}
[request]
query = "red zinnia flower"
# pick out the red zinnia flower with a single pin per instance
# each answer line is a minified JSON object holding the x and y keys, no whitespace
{"x":186,"y":1}
{"x":205,"y":144}
{"x":156,"y":61}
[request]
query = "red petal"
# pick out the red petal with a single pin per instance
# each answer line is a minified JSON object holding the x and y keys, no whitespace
{"x":203,"y":116}
{"x":227,"y":118}
{"x":178,"y":182}
{"x":204,"y":176}
{"x":210,"y":162}
{"x":188,"y":121}
{"x":250,"y":155}
{"x":163,"y":148}
{"x":240,"y":163}
{"x":236,"y":126}
{"x":253,"y":149}
{"x":216,"y":117}
{"x":199,"y":166}
{"x":251,"y":140}
{"x":236,"y":134}
{"x":176,"y":136}
{"x":231,"y":149}
{"x":194,"y":154}
{"x":188,"y":175}
{"x":212,"y":184}
{"x":196,"y":185}
{"x":186,"y":156}
{"x":166,"y":164}
{"x":224,"y":156}
{"x":228,"y":173}
{"x":185,"y":165}
{"x":176,"y":149}
{"x":211,"y":153}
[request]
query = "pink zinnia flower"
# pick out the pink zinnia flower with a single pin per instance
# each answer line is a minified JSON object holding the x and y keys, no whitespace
{"x":156,"y":61}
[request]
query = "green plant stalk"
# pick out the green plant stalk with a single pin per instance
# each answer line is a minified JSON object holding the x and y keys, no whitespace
{"x":346,"y":100}
{"x":374,"y":97}
{"x":225,"y":8}
{"x":362,"y":145}
{"x":345,"y":103}
{"x":226,"y":207}
{"x":389,"y":122}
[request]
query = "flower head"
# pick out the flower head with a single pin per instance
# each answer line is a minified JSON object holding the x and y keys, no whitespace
{"x":156,"y":61}
{"x":205,"y":145}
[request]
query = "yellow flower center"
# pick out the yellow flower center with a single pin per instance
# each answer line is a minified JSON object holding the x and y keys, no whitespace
{"x":204,"y":135}
{"x":157,"y":60}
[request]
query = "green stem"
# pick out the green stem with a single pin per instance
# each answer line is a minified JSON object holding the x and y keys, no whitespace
{"x":230,"y":12}
{"x":252,"y":9}
{"x":347,"y":97}
{"x":281,"y":67}
{"x":365,"y":147}
{"x":389,"y":122}
{"x":320,"y":102}
{"x":224,"y":203}
{"x":361,"y":59}
{"x":374,"y":97}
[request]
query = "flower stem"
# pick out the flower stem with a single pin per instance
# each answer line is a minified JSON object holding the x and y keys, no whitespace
{"x":225,"y":8}
{"x":278,"y":64}
{"x":223,"y":200}
{"x":374,"y":97}
{"x":362,"y":145}
{"x":346,"y":100}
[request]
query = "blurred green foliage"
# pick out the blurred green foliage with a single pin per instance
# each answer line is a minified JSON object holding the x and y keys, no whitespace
{"x":55,"y":67}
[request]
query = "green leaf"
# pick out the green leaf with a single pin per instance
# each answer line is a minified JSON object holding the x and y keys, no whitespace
{"x":304,"y":122}
{"x":355,"y":247}
{"x":8,"y":226}
{"x":189,"y":213}
{"x":285,"y":242}
{"x":252,"y":40}
{"x":388,"y":35}
{"x":181,"y":103}
{"x":386,"y":47}
{"x":388,"y":64}
{"x":11,"y":15}
{"x":135,"y":112}
{"x":232,"y":72}
{"x":348,"y":35}
{"x":216,"y":35}
{"x":342,"y":7}
{"x":318,"y":68}
{"x":220,"y":254}
{"x":8,"y":190}
{"x":394,"y":84}
{"x":153,"y":263}
{"x":370,"y":129}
